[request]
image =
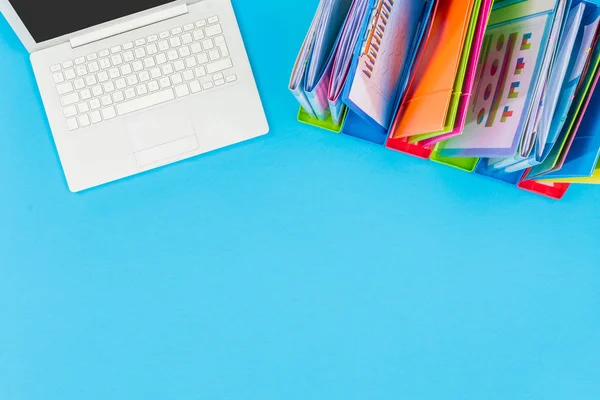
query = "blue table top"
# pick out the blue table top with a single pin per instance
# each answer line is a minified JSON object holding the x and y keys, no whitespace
{"x":301,"y":265}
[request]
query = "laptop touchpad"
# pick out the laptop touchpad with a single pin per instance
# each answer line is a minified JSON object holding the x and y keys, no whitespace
{"x":161,"y":134}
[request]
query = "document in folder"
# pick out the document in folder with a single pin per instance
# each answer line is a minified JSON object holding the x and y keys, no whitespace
{"x":519,"y":34}
{"x":425,"y":106}
{"x":381,"y":72}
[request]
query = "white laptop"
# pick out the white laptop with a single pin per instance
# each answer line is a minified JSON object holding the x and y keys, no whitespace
{"x":131,"y":85}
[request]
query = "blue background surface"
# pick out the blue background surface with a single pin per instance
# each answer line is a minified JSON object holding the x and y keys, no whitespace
{"x":302,"y":265}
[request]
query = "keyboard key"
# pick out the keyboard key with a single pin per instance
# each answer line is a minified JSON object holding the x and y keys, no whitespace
{"x":184,"y":51}
{"x":85,"y":94}
{"x":153,"y":86}
{"x":182,"y":91}
{"x":145,"y":102}
{"x":82,"y":70}
{"x":196,"y":48}
{"x":208,"y":44}
{"x":176,"y":79}
{"x":164,"y":82}
{"x":92,"y":57}
{"x":199,"y":35}
{"x":116,"y":59}
{"x":151,"y":49}
{"x":84,"y":121}
{"x":95,"y":117}
{"x":109,"y":113}
{"x":186,"y":38}
{"x":129,"y":93}
{"x":64,"y":88}
{"x":219,"y":82}
{"x":83,"y":107}
{"x":172,"y":55}
{"x":179,"y":65}
{"x":104,"y":53}
{"x":58,"y":77}
{"x":79,"y":60}
{"x":90,"y":80}
{"x":70,"y":111}
{"x":163,"y":45}
{"x":161,"y":59}
{"x":79,"y":84}
{"x":126,"y":69}
{"x":231,"y":78}
{"x":104,"y":63}
{"x":106,"y":100}
{"x":102,"y":76}
{"x":218,"y":76}
{"x":155,"y":73}
{"x":207,"y":85}
{"x":70,"y":74}
{"x":55,"y":68}
{"x":132,"y":80}
{"x":152,"y":38}
{"x":109,"y":87}
{"x":190,"y":62}
{"x":213,"y":30}
{"x":137,"y":66}
{"x":149,"y":62}
{"x":120,"y":84}
{"x":116,"y":49}
{"x":140,"y":52}
{"x":118,"y":97}
{"x":140,"y":42}
{"x":188,"y":27}
{"x":97,"y":91}
{"x":72,"y":124}
{"x":67,"y":64}
{"x":164,"y":35}
{"x":202,"y":58}
{"x":141,"y":90}
{"x":114,"y":72}
{"x":195,"y":86}
{"x":128,"y":56}
{"x":214,"y":55}
{"x":144,"y":76}
{"x":200,"y":72}
{"x":94,"y":104}
{"x":128,"y":46}
{"x":201,"y":23}
{"x":93,"y":67}
{"x":176,"y":31}
{"x":175,"y":41}
{"x":218,"y":66}
{"x":188,"y":75}
{"x":69,"y":99}
{"x":167,"y":69}
{"x":223,"y":49}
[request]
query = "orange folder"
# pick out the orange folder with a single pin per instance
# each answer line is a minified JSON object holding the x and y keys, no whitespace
{"x":426,"y":104}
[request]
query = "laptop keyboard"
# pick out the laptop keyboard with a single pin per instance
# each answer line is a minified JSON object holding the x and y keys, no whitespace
{"x":149,"y":71}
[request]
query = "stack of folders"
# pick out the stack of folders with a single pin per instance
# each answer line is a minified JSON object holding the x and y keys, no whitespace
{"x":506,"y":89}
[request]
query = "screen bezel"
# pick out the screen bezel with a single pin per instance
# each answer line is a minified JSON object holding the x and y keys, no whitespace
{"x":32,"y":46}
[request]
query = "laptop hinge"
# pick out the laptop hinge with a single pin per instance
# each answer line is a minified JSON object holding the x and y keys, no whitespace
{"x":127,"y":26}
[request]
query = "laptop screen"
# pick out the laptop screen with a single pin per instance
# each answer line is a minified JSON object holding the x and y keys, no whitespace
{"x":49,"y":19}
